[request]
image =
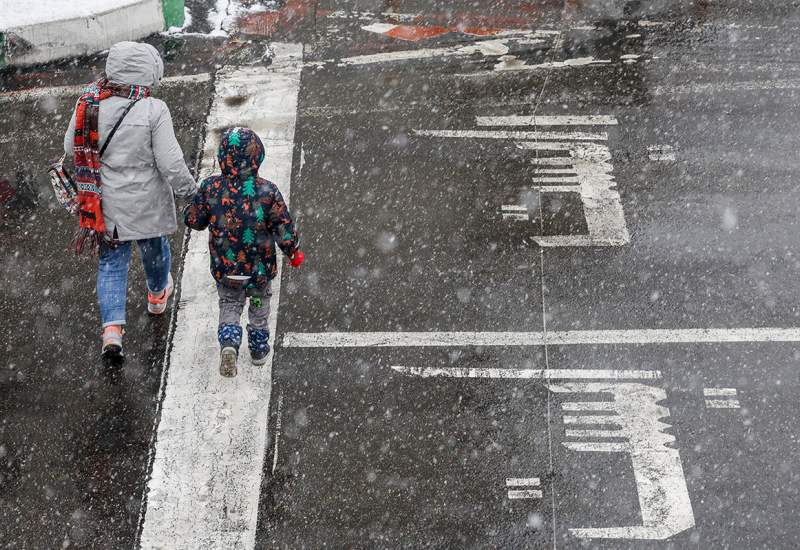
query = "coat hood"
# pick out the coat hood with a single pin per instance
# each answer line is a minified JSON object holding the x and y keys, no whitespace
{"x":134,"y":63}
{"x":240,"y":153}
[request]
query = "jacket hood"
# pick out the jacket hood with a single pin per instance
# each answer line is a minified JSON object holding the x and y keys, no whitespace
{"x":134,"y":63}
{"x":240,"y":153}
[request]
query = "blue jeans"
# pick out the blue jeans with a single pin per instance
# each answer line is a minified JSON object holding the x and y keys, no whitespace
{"x":112,"y":275}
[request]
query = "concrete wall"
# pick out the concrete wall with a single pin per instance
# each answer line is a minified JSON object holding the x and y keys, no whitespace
{"x":90,"y":34}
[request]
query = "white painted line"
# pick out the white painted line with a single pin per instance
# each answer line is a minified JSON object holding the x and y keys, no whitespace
{"x":538,"y":120}
{"x":594,"y":433}
{"x":516,"y":66}
{"x":570,"y":171}
{"x":596,"y":446}
{"x":559,"y":338}
{"x":211,"y":440}
{"x":557,"y":189}
{"x":490,"y":48}
{"x":522,"y":481}
{"x":588,"y":406}
{"x":719,"y":87}
{"x":515,"y":212}
{"x":552,"y":161}
{"x":512,"y":134}
{"x":599,"y":419}
{"x":560,"y":179}
{"x":719,"y":391}
{"x":722,"y":404}
{"x":524,"y":493}
{"x":63,"y":91}
{"x":547,"y":146}
{"x":542,"y":374}
{"x":516,"y":217}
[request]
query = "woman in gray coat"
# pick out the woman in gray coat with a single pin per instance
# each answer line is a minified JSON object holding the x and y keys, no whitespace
{"x":140,"y":170}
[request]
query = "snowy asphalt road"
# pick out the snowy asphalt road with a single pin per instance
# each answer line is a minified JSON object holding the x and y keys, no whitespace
{"x":528,"y":255}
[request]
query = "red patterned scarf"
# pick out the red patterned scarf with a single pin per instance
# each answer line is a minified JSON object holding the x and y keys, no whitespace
{"x":92,"y":228}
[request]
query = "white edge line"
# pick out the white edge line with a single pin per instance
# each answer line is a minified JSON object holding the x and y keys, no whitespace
{"x":536,"y":120}
{"x":572,"y":337}
{"x":543,"y":374}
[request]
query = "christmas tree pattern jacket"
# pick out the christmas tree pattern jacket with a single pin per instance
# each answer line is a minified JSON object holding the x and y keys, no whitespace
{"x":245,"y":215}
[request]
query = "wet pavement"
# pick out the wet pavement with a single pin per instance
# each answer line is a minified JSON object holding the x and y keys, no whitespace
{"x":517,"y":272}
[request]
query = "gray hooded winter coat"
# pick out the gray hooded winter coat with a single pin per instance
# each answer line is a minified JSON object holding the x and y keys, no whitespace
{"x":143,"y":164}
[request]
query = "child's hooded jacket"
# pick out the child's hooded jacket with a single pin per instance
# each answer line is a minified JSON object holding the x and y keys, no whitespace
{"x":245,"y":214}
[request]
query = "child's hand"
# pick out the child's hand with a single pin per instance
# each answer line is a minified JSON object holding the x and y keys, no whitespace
{"x":297,"y":258}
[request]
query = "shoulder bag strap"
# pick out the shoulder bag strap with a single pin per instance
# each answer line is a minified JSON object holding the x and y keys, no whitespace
{"x":116,"y":126}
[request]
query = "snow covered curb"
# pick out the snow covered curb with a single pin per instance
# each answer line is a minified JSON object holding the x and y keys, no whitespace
{"x":54,"y":29}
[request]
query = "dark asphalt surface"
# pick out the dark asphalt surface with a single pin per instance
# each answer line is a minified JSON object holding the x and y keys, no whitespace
{"x":404,"y":233}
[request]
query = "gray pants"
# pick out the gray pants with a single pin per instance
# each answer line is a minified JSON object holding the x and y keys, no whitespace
{"x":231,"y":304}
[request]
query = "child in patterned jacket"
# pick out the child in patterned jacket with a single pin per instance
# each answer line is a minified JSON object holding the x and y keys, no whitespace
{"x":245,"y":215}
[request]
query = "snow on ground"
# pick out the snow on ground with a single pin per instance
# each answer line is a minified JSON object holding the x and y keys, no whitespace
{"x":13,"y":15}
{"x":224,"y":15}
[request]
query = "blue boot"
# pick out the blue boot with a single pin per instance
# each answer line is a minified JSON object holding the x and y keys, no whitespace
{"x":258,"y":342}
{"x":230,"y":338}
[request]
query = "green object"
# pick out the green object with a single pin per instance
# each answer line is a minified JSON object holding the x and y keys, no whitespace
{"x":229,"y":254}
{"x":173,"y":12}
{"x":249,"y":189}
{"x":233,"y":139}
{"x":259,"y":214}
{"x":248,"y":237}
{"x":255,"y":301}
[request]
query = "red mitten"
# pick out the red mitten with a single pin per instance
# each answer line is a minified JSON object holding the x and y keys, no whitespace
{"x":297,"y":259}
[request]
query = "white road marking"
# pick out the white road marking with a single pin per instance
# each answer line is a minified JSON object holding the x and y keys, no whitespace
{"x":565,"y":170}
{"x":593,"y":175}
{"x":539,"y":120}
{"x":524,"y":493}
{"x":489,"y":48}
{"x":210,"y":445}
{"x":720,"y":87}
{"x":506,"y":66}
{"x":722,"y":404}
{"x":556,"y":189}
{"x":76,"y":90}
{"x":555,"y":338}
{"x":602,"y":205}
{"x":541,"y":374}
{"x":515,"y":212}
{"x":600,"y":419}
{"x":719,"y":392}
{"x":663,"y":495}
{"x":553,"y":161}
{"x":592,"y":433}
{"x":721,"y":398}
{"x":522,"y":482}
{"x":661,"y":485}
{"x":512,"y":134}
{"x":557,"y":179}
{"x":661,"y":153}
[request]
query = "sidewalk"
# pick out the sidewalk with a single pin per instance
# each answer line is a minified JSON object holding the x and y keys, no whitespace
{"x":53,"y":29}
